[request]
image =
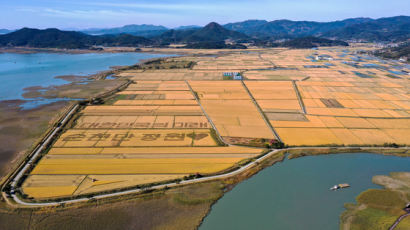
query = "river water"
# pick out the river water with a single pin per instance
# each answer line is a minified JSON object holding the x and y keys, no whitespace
{"x":295,"y":194}
{"x":19,"y":71}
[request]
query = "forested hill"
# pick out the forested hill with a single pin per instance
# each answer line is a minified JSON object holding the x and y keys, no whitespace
{"x":54,"y":38}
{"x":213,"y":32}
{"x":365,"y":29}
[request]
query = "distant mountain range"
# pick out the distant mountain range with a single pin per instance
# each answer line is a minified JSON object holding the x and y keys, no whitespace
{"x":290,"y":29}
{"x":383,"y":29}
{"x":187,"y":27}
{"x":54,"y":38}
{"x":212,"y":36}
{"x":212,"y":32}
{"x":138,"y":30}
{"x":393,"y":29}
{"x":364,"y":29}
{"x":5,"y":31}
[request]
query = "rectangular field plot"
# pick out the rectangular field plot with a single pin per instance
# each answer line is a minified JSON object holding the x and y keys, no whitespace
{"x":219,"y":90}
{"x":279,"y":105}
{"x":237,"y":118}
{"x":154,"y":150}
{"x":143,"y":110}
{"x":277,"y":75}
{"x":234,"y":117}
{"x":54,"y":191}
{"x":46,"y":186}
{"x":155,"y":102}
{"x":158,"y":95}
{"x":309,"y":122}
{"x":159,"y":85}
{"x":131,"y":138}
{"x":133,"y":166}
{"x":98,"y":183}
{"x":174,"y":75}
{"x":308,"y":136}
{"x":142,"y":122}
{"x":270,"y":90}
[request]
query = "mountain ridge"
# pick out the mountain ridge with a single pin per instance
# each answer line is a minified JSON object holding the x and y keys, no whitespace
{"x":133,"y":29}
{"x":55,"y":38}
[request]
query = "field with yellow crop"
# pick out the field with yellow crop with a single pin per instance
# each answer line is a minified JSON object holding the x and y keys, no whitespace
{"x":154,"y":150}
{"x":141,"y":122}
{"x":161,"y":127}
{"x":231,"y":109}
{"x":133,"y":166}
{"x":135,"y":137}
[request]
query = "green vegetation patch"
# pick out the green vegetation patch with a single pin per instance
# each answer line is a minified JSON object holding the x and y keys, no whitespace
{"x":387,"y":200}
{"x":380,"y":208}
{"x":203,"y":193}
{"x":370,"y":218}
{"x":165,"y":64}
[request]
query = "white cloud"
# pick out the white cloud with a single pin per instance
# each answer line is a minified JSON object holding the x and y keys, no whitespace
{"x":88,"y":14}
{"x":154,"y":6}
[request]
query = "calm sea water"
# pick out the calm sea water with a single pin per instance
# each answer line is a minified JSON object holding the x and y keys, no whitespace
{"x":295,"y":194}
{"x":18,"y":71}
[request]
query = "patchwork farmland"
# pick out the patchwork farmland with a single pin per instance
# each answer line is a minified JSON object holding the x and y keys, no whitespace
{"x":175,"y":123}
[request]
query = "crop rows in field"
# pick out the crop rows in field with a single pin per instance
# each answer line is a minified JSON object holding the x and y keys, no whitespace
{"x":142,"y":122}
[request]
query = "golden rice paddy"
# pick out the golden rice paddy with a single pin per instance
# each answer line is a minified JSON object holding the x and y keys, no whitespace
{"x":135,"y":138}
{"x":133,"y":166}
{"x":141,"y":122}
{"x":153,"y":150}
{"x":155,"y":130}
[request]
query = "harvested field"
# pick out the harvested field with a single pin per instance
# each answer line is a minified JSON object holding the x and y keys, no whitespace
{"x":286,"y":116}
{"x":310,"y":122}
{"x":173,"y":75}
{"x":159,"y":85}
{"x":331,"y":103}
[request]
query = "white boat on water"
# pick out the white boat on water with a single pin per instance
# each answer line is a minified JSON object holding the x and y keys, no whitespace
{"x":335,"y":187}
{"x":339,"y":186}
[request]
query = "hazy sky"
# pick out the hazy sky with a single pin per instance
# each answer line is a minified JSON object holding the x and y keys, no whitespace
{"x":66,"y":14}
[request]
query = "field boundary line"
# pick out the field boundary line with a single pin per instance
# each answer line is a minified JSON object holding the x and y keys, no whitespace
{"x":302,"y":105}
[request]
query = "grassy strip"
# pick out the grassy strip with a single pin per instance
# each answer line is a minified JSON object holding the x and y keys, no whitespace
{"x":300,"y":152}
